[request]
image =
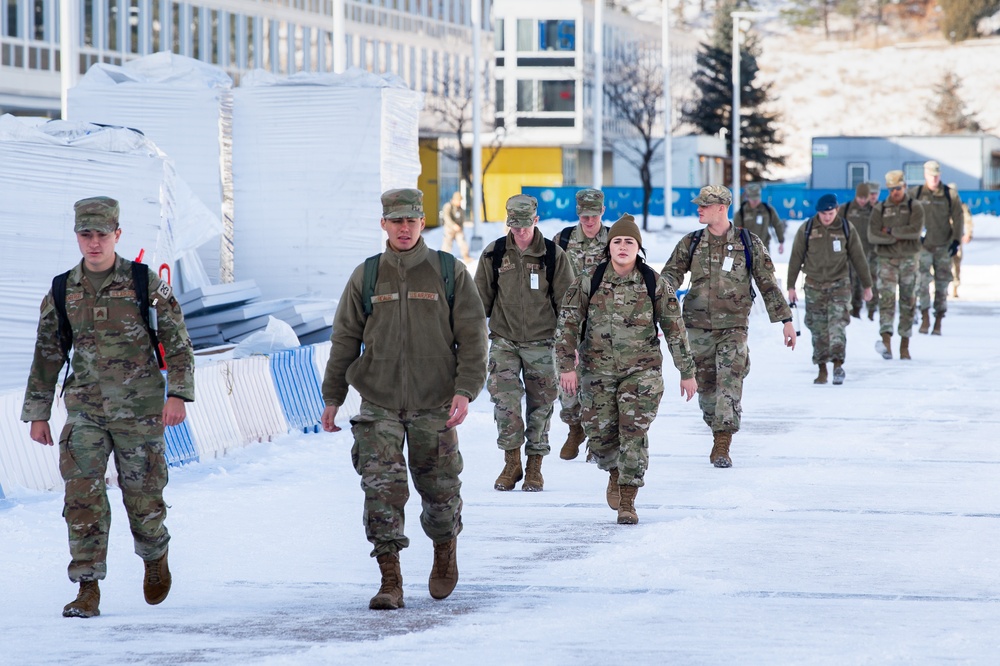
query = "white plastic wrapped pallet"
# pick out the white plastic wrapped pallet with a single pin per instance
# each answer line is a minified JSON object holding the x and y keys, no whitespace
{"x":43,"y":171}
{"x":312,"y":154}
{"x":185,"y":107}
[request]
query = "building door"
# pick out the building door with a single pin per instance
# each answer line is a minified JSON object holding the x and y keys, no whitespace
{"x":857,"y":173}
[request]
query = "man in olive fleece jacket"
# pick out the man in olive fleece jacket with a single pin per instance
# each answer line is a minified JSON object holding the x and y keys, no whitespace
{"x":423,"y":362}
{"x":826,"y":255}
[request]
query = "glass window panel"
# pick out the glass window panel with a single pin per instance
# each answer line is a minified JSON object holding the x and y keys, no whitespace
{"x":526,"y":96}
{"x":525,"y":35}
{"x":558,"y":95}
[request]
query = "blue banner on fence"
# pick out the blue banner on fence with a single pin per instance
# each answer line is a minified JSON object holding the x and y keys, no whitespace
{"x":793,"y":202}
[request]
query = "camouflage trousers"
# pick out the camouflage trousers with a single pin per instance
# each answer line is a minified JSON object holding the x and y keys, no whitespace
{"x":617,"y":413}
{"x":893,"y":273}
{"x":534,"y":361}
{"x":938,"y":262}
{"x":827,"y":317}
{"x":454,"y":232}
{"x":858,"y":291}
{"x":722,"y":362}
{"x":434,"y":461}
{"x":956,"y":267}
{"x":85,"y":446}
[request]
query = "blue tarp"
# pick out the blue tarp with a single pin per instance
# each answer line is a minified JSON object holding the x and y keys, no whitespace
{"x":297,"y":383}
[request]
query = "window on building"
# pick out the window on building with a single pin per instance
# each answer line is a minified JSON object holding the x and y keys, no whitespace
{"x":111,"y":25}
{"x":526,"y":96}
{"x":913,"y":172}
{"x":557,"y":96}
{"x":499,"y":97}
{"x":436,"y":78}
{"x":525,"y":35}
{"x":11,"y":29}
{"x":556,"y":35}
{"x":498,"y":35}
{"x":857,"y":173}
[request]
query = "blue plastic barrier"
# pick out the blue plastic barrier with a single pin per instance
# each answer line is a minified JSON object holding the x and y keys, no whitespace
{"x":180,"y":445}
{"x":793,"y":202}
{"x":298,"y":387}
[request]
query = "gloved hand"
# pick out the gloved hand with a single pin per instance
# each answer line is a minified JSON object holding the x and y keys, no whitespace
{"x":953,"y":248}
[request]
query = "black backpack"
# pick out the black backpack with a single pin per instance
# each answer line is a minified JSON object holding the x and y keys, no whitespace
{"x":548,"y":262}
{"x":371,"y":279}
{"x":649,"y":276}
{"x":744,"y":238}
{"x":140,"y":281}
{"x":564,"y":236}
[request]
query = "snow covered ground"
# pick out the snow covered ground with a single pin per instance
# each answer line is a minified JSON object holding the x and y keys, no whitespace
{"x":858,"y":525}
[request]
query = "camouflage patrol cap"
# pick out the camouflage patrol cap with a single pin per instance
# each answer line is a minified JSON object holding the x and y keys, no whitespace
{"x":589,"y":202}
{"x":753,"y":190}
{"x":713,"y":194}
{"x":521,"y":211}
{"x":862,"y":191}
{"x":96,"y":214}
{"x":874,"y":187}
{"x":625,"y":226}
{"x":932,"y":167}
{"x":895,"y":179}
{"x":402,"y":203}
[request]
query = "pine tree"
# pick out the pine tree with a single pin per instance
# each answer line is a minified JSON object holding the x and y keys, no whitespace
{"x":949,"y":111}
{"x":711,"y":110}
{"x":961,"y":17}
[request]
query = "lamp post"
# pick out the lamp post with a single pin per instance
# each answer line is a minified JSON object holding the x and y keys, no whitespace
{"x":339,"y":38}
{"x":477,"y":145}
{"x":68,"y":60}
{"x":668,"y":189}
{"x":598,"y":164}
{"x":737,"y":16}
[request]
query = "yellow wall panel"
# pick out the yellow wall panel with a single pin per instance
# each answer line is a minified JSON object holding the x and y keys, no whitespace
{"x":427,"y":182}
{"x":514,"y":168}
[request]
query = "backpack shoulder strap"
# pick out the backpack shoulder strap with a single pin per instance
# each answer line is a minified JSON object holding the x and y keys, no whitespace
{"x":550,"y":262}
{"x":447,"y":260}
{"x":808,"y":232}
{"x":649,"y":276}
{"x":564,"y":237}
{"x":597,"y":278}
{"x":499,"y":248}
{"x":59,"y":301}
{"x":368,"y":283}
{"x":140,"y":282}
{"x":748,"y":255}
{"x":695,"y":239}
{"x":947,"y":195}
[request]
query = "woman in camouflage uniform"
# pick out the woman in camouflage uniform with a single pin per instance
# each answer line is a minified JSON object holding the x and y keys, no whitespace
{"x":611,"y":319}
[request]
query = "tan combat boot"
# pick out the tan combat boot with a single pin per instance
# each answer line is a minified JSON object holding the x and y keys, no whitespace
{"x":156,"y":583}
{"x":884,"y":346}
{"x":838,"y":373}
{"x":390,"y":595}
{"x":937,"y":324}
{"x":626,"y":510}
{"x":444,"y":573}
{"x":925,"y":321}
{"x":87,"y":601}
{"x":904,"y":349}
{"x":571,"y":449}
{"x":533,"y":481}
{"x":512,"y":470}
{"x":613,"y":493}
{"x":821,"y":377}
{"x":720,"y":449}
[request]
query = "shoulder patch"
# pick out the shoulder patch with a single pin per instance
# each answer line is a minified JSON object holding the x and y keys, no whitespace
{"x":164,"y":290}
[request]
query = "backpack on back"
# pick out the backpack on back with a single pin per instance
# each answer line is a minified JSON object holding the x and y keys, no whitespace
{"x":371,"y":279}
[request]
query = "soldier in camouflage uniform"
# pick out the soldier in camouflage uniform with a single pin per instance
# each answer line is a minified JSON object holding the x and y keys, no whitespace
{"x":114,"y":400}
{"x":760,"y":218}
{"x":585,"y":244}
{"x":522,"y":306}
{"x":858,"y":211}
{"x":621,"y":367}
{"x":956,"y":261}
{"x":826,"y":255}
{"x":417,"y":363}
{"x":943,"y":223}
{"x":894,"y":231}
{"x":453,"y":219}
{"x":717,"y":311}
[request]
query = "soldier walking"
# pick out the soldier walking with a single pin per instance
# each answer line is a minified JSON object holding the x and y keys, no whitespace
{"x":114,"y":399}
{"x":858,"y":211}
{"x":760,"y":218}
{"x":956,"y":261}
{"x":944,"y":223}
{"x":521,"y":278}
{"x":894,"y":231}
{"x":453,"y":219}
{"x":419,"y":319}
{"x":825,"y":248}
{"x":722,"y":259}
{"x":585,"y":244}
{"x":611,"y":318}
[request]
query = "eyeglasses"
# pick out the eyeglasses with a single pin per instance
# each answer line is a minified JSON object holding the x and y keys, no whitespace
{"x":898,"y":187}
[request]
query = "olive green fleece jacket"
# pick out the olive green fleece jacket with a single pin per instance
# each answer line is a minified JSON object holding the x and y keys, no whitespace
{"x":943,"y":216}
{"x":517,"y":311}
{"x":894,"y":229}
{"x":859,"y":216}
{"x":417,"y":354}
{"x":830,"y":254}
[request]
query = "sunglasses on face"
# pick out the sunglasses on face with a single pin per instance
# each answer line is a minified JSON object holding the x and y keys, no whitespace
{"x":898,"y":187}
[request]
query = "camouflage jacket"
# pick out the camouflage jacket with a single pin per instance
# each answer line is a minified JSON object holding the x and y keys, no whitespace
{"x":620,"y":337}
{"x":894,"y":229}
{"x":452,"y":215}
{"x":760,"y":221}
{"x":418,"y":353}
{"x":721,"y":299}
{"x":521,"y":310}
{"x":943,"y":222}
{"x":114,"y":373}
{"x":858,"y":216}
{"x":585,"y":253}
{"x":830,"y":254}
